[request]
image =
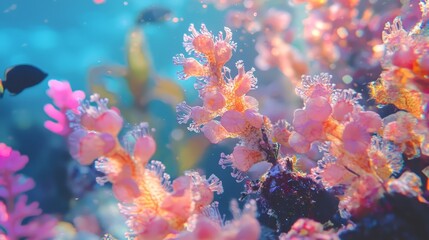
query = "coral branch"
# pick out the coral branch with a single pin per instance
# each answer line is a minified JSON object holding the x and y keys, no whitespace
{"x":227,"y":111}
{"x":14,"y":209}
{"x":65,"y":100}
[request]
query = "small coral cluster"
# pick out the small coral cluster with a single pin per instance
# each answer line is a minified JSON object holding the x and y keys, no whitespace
{"x":404,"y":80}
{"x":18,"y":218}
{"x":227,"y":111}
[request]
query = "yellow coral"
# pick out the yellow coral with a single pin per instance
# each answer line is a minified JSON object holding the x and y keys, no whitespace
{"x":398,"y":95}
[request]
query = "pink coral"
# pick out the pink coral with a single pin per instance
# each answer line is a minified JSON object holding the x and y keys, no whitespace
{"x":407,"y":132}
{"x":332,"y":115}
{"x":86,"y":146}
{"x":64,"y":99}
{"x":211,"y":226}
{"x":347,"y":136}
{"x":14,"y":209}
{"x":227,"y":111}
{"x":404,"y":80}
{"x":307,"y":229}
{"x":362,"y":196}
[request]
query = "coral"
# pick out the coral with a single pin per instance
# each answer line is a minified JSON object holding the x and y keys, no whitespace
{"x":361,"y":196}
{"x":356,"y":158}
{"x":405,"y":130}
{"x":359,"y":178}
{"x":227,"y":111}
{"x":408,"y":184}
{"x":211,"y":226}
{"x":154,"y":207}
{"x":359,"y":162}
{"x":65,"y":99}
{"x":307,"y":229}
{"x":340,"y":120}
{"x":18,"y":218}
{"x":144,"y":190}
{"x":405,"y":69}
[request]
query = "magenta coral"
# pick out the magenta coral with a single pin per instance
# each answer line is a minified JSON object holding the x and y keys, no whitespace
{"x":14,"y":209}
{"x":64,"y":99}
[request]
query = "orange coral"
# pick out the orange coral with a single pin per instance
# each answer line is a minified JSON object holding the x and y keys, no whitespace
{"x":398,"y":95}
{"x":405,"y":77}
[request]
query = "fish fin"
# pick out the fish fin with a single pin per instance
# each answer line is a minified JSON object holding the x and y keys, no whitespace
{"x":8,"y":70}
{"x":167,"y":91}
{"x":97,"y":82}
{"x":190,"y":151}
{"x":96,"y":74}
{"x":138,"y":58}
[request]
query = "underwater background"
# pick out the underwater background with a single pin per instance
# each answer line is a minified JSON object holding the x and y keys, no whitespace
{"x":92,"y":44}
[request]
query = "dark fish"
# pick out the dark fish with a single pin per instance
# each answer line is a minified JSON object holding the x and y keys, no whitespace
{"x":21,"y":77}
{"x":154,"y":14}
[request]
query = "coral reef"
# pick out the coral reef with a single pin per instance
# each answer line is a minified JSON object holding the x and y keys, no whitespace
{"x":363,"y":185}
